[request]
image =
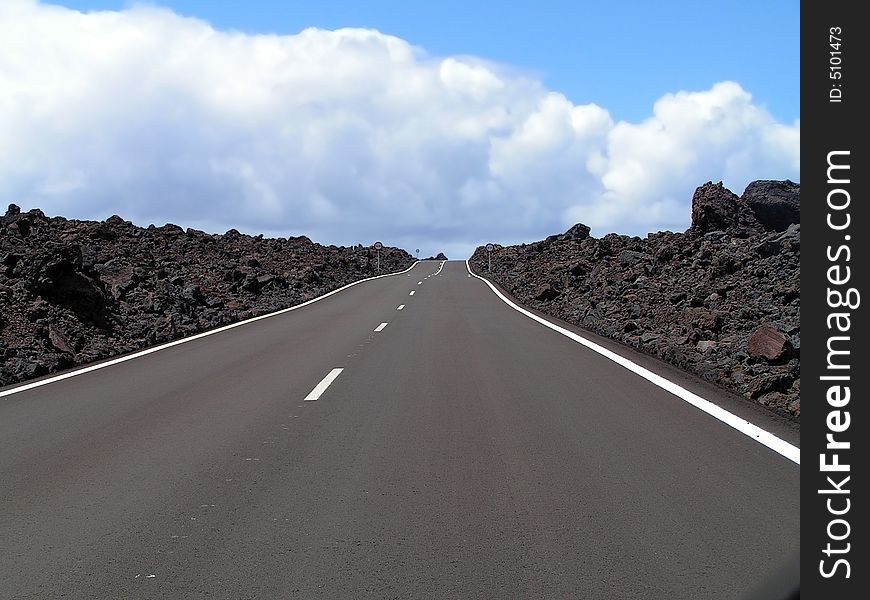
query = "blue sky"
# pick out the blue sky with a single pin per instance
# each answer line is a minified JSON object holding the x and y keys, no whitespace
{"x":431,"y":125}
{"x":620,"y":54}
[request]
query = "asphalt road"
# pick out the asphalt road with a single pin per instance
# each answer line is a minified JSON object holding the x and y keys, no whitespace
{"x":464,"y":451}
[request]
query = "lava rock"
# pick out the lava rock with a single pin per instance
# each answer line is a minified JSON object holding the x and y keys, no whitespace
{"x":59,"y":340}
{"x":714,"y":208}
{"x":577,"y":232}
{"x":775,"y":204}
{"x":768,"y":342}
{"x":546,"y":293}
{"x":705,"y":345}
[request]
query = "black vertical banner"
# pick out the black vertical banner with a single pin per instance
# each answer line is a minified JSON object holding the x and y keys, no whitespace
{"x":834,"y":368}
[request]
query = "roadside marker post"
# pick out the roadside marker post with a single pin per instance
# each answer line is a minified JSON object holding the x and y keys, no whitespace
{"x":489,"y":248}
{"x":378,"y":247}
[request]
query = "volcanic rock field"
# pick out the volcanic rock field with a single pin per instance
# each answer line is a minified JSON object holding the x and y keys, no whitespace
{"x":721,"y":300}
{"x":72,"y":292}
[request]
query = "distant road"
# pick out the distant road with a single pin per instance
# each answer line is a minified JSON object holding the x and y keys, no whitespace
{"x":451,"y":449}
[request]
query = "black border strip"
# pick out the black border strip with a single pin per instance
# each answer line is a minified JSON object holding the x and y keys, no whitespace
{"x":834,"y":125}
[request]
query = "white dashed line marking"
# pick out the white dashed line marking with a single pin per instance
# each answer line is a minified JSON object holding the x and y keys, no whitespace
{"x":324,"y":383}
{"x":380,"y":327}
{"x":419,"y":283}
{"x":412,"y":293}
{"x":400,"y":307}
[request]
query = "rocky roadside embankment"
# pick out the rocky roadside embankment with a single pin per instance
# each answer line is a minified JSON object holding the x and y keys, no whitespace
{"x":721,"y":300}
{"x":72,"y":292}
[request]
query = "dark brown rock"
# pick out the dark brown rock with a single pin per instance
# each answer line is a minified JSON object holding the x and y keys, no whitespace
{"x":546,"y":293}
{"x":775,"y":204}
{"x":767,"y":342}
{"x":59,"y":340}
{"x":577,"y":232}
{"x":714,"y":208}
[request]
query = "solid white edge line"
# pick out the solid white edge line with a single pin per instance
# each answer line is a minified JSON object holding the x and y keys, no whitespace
{"x":400,"y":307}
{"x":35,"y":384}
{"x":380,"y":327}
{"x":765,"y":438}
{"x":324,"y":383}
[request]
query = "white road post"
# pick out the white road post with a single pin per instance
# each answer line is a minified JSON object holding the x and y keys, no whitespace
{"x":378,"y":247}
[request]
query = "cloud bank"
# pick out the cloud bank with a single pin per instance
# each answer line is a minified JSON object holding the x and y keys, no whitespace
{"x":346,"y":136}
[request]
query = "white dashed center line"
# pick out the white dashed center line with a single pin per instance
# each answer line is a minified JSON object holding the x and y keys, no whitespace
{"x":412,"y":293}
{"x":324,"y":383}
{"x":380,"y":327}
{"x":419,"y":283}
{"x":400,"y":307}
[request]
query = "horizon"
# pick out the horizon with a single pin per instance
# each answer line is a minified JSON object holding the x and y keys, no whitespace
{"x":410,"y":251}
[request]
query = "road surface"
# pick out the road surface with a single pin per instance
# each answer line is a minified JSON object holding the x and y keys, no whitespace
{"x":461,"y":451}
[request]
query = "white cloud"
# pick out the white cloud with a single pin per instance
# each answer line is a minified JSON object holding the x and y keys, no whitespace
{"x":345,"y":136}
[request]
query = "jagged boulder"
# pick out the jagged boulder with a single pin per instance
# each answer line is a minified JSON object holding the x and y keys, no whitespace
{"x":576,"y":232}
{"x":768,"y":342}
{"x":714,"y":208}
{"x":775,"y":204}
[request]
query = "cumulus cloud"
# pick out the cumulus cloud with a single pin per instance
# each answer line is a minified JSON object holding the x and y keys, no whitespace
{"x":346,"y":136}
